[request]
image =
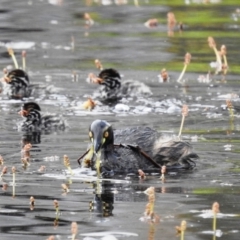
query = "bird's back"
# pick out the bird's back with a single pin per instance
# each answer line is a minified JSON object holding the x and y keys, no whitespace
{"x":19,"y":84}
{"x":51,"y":122}
{"x":126,"y":159}
{"x":163,"y":149}
{"x":144,"y":137}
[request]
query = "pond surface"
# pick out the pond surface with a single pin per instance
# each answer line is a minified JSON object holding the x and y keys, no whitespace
{"x":60,"y":44}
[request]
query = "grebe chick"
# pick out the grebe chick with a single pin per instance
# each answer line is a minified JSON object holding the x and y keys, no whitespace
{"x":112,"y":89}
{"x":34,"y":121}
{"x":16,"y":84}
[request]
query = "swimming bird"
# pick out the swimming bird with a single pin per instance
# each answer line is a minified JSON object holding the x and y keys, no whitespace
{"x":130,"y":149}
{"x":34,"y":121}
{"x":112,"y":89}
{"x":16,"y":84}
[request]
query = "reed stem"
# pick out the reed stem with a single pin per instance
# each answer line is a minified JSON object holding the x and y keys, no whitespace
{"x":13,"y":185}
{"x":98,"y":164}
{"x":181,"y":126}
{"x":182,"y":73}
{"x":24,"y":60}
{"x":11,"y":53}
{"x":182,"y":235}
{"x":136,"y":3}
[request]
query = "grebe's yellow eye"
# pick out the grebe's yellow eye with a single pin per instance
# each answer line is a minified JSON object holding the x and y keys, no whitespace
{"x":90,"y":134}
{"x":106,"y":134}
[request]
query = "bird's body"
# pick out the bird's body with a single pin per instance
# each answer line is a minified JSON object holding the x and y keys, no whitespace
{"x":112,"y":89}
{"x":131,"y":149}
{"x":124,"y":159}
{"x":163,"y":149}
{"x":34,"y":121}
{"x":16,"y":84}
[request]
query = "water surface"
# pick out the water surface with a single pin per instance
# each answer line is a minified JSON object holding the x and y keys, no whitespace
{"x":46,"y":29}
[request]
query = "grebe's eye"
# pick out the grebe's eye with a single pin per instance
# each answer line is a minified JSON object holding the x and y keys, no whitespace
{"x":106,"y":134}
{"x":90,"y":134}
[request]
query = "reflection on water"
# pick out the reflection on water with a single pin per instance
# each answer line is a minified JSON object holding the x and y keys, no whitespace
{"x":62,"y":39}
{"x":104,"y":199}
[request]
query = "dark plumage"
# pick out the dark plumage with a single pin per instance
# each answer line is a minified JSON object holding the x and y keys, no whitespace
{"x":126,"y":151}
{"x":16,"y":84}
{"x":35,"y":122}
{"x":110,"y":85}
{"x":112,"y":89}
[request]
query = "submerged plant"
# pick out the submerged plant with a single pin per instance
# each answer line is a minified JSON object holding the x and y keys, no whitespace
{"x":187,"y":60}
